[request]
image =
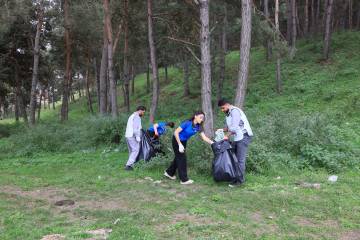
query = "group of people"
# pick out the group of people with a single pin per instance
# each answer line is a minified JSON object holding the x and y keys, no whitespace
{"x":237,"y":129}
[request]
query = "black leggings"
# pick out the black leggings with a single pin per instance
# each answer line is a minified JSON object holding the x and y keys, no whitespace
{"x":179,"y":162}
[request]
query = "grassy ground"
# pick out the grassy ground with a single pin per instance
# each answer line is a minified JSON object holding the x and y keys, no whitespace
{"x":136,"y":206}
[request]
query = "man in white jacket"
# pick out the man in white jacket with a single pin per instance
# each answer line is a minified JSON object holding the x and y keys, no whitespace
{"x":132,"y":134}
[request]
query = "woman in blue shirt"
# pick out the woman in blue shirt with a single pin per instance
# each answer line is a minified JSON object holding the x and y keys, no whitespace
{"x":182,"y":134}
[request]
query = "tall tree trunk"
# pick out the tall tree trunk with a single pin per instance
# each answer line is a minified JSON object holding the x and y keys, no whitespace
{"x":53,"y":97}
{"x":268,"y":41}
{"x":112,"y":79}
{"x":154,"y":67}
{"x":35,"y":73}
{"x":293,"y":28}
{"x":327,"y":36}
{"x":222,"y":55}
{"x":147,"y":78}
{"x":87,"y":83}
{"x":17,"y":111}
{"x":126,"y":68}
{"x":103,"y":77}
{"x":68,"y":74}
{"x":350,"y":14}
{"x":278,"y":59}
{"x":317,"y":21}
{"x":358,"y":19}
{"x":186,"y":75}
{"x":288,"y":22}
{"x":132,"y":80}
{"x":313,"y":22}
{"x":206,"y":67}
{"x":244,"y":53}
{"x":97,"y":79}
{"x":48,"y":98}
{"x":306,"y":15}
{"x":166,"y":71}
{"x":20,"y":108}
{"x":39,"y":107}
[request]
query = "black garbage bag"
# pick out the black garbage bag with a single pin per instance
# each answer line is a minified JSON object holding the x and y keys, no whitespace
{"x":225,"y":166}
{"x":147,"y":148}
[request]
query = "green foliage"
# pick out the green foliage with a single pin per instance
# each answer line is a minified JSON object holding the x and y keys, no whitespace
{"x":89,"y":133}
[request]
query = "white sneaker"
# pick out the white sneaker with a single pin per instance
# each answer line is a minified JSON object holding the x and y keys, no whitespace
{"x":168,"y":176}
{"x":188,"y":182}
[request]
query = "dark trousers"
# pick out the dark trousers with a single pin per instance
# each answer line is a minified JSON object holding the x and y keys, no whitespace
{"x":240,"y":149}
{"x":179,"y":162}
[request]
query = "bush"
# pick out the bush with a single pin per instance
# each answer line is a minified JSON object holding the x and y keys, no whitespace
{"x":89,"y":133}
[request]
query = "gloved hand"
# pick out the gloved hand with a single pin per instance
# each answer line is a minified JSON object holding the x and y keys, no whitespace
{"x":181,"y":148}
{"x":138,"y":139}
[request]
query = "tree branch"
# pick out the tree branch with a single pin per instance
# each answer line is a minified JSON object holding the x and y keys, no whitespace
{"x":182,"y":41}
{"x":194,"y":55}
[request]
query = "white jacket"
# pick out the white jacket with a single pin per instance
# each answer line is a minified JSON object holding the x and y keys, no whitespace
{"x":238,"y":123}
{"x":133,"y":126}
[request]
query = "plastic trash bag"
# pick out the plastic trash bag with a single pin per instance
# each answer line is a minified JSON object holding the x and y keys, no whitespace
{"x":225,"y":166}
{"x":219,"y":135}
{"x":147,"y":148}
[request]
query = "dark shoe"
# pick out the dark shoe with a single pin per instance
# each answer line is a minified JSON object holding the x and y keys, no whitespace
{"x":235,"y":184}
{"x":129,"y":168}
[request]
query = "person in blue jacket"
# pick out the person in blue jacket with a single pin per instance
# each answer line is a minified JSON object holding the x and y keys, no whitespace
{"x":158,"y":129}
{"x":183,"y":133}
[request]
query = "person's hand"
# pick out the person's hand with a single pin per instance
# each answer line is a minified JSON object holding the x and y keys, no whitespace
{"x":156,"y":135}
{"x":181,"y":148}
{"x":226,"y":137}
{"x":211,"y":142}
{"x":138,"y":139}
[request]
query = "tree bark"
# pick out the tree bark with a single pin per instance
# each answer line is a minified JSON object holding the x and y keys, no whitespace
{"x":293,"y":28}
{"x":222,"y":55}
{"x":39,"y":107}
{"x":166,"y":71}
{"x":268,"y":41}
{"x":288,"y":22}
{"x":154,"y":67}
{"x":313,"y":22}
{"x":278,"y":59}
{"x":97,"y":80}
{"x":35,"y":73}
{"x":317,"y":21}
{"x":126,"y":68}
{"x":68,"y":74}
{"x":245,"y":46}
{"x":103,"y":77}
{"x":147,"y":78}
{"x":112,"y":80}
{"x":327,"y":36}
{"x":132,"y":80}
{"x":186,"y":75}
{"x":87,"y":85}
{"x":358,"y":18}
{"x":350,"y":14}
{"x":306,"y":15}
{"x":206,"y":67}
{"x":20,"y":108}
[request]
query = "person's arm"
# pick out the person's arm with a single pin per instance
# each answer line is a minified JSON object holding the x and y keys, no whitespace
{"x":137,"y":127}
{"x":155,"y":129}
{"x":177,"y":137}
{"x":205,"y":138}
{"x":176,"y":134}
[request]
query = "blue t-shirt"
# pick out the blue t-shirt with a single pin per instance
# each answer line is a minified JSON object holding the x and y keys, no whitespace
{"x":188,"y":130}
{"x":161,"y":128}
